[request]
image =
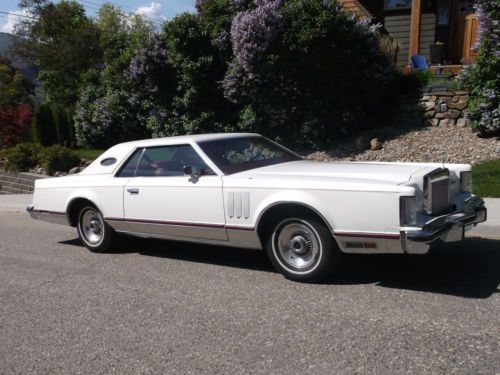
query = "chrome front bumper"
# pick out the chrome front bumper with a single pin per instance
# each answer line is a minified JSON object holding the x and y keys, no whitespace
{"x":446,"y":228}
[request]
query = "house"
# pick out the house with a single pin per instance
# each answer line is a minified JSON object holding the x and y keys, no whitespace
{"x":450,"y":25}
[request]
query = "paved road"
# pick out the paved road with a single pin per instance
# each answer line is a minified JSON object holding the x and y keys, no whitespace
{"x":165,"y":307}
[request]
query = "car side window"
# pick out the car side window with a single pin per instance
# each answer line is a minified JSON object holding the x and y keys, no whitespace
{"x":167,"y":161}
{"x":128,"y":170}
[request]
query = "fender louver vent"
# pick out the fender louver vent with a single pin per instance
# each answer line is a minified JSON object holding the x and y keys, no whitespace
{"x":238,"y":204}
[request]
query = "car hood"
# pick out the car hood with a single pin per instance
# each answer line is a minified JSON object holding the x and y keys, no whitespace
{"x":382,"y":173}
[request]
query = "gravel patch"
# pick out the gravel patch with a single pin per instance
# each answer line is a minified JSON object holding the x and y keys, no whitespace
{"x":425,"y":144}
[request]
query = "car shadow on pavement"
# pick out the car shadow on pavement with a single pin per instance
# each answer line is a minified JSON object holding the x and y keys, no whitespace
{"x":469,"y":269}
{"x":255,"y":260}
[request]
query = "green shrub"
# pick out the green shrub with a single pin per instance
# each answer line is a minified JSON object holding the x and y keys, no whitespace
{"x":422,"y":76}
{"x":58,"y":158}
{"x":22,"y":157}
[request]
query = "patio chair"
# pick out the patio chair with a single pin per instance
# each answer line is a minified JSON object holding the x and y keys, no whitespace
{"x":418,"y":62}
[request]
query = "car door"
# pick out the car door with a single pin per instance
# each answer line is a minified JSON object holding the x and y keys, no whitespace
{"x":160,"y":200}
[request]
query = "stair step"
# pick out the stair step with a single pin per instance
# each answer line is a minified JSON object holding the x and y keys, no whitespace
{"x":32,"y":176}
{"x":9,"y":190}
{"x":17,"y":180}
{"x":16,"y":185}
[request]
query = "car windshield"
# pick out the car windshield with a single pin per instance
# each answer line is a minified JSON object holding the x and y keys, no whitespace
{"x":240,"y":154}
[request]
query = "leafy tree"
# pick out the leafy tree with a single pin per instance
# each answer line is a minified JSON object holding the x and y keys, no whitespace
{"x":62,"y":41}
{"x":14,"y":88}
{"x":15,"y":105}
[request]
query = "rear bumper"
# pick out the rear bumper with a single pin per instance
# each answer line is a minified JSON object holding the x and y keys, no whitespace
{"x":446,"y":228}
{"x":50,"y":216}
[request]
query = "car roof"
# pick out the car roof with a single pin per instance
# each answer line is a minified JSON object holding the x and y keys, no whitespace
{"x":122,"y":150}
{"x":185,"y":139}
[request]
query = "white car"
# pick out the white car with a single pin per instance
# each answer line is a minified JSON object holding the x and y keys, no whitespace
{"x":244,"y":190}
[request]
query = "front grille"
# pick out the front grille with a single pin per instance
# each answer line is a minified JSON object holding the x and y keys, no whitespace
{"x":437,"y":192}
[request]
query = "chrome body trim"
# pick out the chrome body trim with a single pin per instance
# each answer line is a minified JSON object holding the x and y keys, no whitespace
{"x":222,"y":235}
{"x":445,"y":228}
{"x":194,"y":240}
{"x":176,"y":229}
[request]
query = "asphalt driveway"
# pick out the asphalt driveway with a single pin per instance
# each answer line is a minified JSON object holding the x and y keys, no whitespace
{"x":167,"y":307}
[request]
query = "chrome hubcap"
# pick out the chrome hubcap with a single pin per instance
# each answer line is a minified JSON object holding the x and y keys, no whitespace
{"x":298,"y":245}
{"x":91,"y":225}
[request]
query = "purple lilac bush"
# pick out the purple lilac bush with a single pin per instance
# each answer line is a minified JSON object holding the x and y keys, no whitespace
{"x":307,"y":66}
{"x":483,"y":78}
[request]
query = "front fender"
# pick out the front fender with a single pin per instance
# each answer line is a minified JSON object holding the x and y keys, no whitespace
{"x":302,"y":198}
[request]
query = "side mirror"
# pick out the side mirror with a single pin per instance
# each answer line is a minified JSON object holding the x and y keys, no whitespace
{"x":192,"y":171}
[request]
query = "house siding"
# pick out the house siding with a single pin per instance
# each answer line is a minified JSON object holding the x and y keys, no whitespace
{"x":399,"y":28}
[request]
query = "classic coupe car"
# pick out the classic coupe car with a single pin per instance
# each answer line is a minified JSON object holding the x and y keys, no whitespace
{"x":244,"y":190}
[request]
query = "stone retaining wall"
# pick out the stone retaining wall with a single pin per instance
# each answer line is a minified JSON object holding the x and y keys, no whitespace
{"x":18,"y":183}
{"x":442,"y":108}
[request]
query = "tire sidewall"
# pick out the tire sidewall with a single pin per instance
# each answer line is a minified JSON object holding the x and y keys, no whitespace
{"x":103,"y":244}
{"x":328,"y":251}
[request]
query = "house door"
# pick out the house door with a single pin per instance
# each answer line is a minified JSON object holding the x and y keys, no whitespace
{"x":464,"y":31}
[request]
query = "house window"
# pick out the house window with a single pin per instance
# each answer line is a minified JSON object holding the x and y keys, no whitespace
{"x":444,"y":12}
{"x":397,"y":4}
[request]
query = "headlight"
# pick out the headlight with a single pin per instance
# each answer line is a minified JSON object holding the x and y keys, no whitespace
{"x":466,"y":181}
{"x":408,"y":211}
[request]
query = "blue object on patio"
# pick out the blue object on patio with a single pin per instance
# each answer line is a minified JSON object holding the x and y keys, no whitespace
{"x":418,"y":62}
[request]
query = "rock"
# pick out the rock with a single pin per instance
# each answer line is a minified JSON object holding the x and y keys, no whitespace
{"x":74,"y":170}
{"x":461,"y":92}
{"x":375,"y":144}
{"x":429,"y":106}
{"x":463,"y":122}
{"x":428,"y":115}
{"x":447,"y":122}
{"x":431,"y":122}
{"x":460,"y":103}
{"x":449,"y":114}
{"x":443,"y":93}
{"x":441,"y":107}
{"x":428,"y":98}
{"x":39,"y":170}
{"x":497,"y":150}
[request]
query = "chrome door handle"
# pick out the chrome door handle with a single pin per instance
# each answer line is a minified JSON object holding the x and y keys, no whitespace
{"x":133,"y":190}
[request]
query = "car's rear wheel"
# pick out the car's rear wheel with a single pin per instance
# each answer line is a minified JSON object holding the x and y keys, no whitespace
{"x":303,"y":249}
{"x":95,"y":234}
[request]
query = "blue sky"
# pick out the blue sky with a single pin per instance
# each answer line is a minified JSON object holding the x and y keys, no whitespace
{"x":156,"y":10}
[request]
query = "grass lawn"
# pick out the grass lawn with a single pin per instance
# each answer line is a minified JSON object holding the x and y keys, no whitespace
{"x":486,"y":179}
{"x":87,"y":153}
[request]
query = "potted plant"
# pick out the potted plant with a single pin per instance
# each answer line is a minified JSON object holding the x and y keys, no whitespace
{"x":436,"y":51}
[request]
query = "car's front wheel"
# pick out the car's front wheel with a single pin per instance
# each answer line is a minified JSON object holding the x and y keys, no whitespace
{"x":303,"y":249}
{"x":95,"y":234}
